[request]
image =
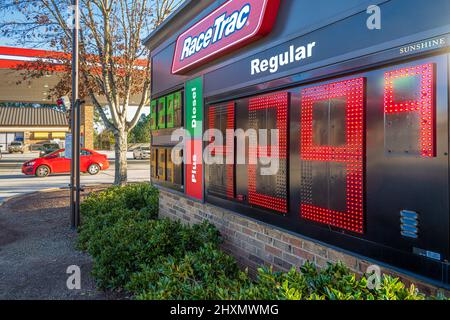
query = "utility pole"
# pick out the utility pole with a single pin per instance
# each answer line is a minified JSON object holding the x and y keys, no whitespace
{"x":76,"y":122}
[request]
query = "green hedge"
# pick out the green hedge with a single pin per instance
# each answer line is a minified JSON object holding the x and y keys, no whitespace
{"x":138,"y":202}
{"x":205,"y":274}
{"x":211,"y":275}
{"x":162,"y":259}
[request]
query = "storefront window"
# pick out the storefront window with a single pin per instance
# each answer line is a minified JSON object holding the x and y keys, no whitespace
{"x":40,"y":135}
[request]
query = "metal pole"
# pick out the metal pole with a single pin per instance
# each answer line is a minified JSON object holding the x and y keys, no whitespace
{"x":76,"y":114}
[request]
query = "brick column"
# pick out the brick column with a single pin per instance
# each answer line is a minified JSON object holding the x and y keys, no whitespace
{"x":26,"y":140}
{"x":87,"y":125}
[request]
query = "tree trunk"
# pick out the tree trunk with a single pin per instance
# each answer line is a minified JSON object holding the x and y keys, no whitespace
{"x":121,"y":148}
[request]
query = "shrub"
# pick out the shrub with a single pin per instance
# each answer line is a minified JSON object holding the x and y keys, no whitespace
{"x":137,"y":202}
{"x":120,"y":232}
{"x":128,"y":245}
{"x":93,"y":227}
{"x":335,"y":282}
{"x":209,"y":274}
{"x":205,"y":274}
{"x":137,"y":197}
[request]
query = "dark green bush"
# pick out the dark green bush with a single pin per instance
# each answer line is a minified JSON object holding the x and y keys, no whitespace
{"x":128,"y":245}
{"x":208,"y":274}
{"x":335,"y":282}
{"x":93,"y":227}
{"x":137,"y":197}
{"x":138,"y":202}
{"x":205,"y":274}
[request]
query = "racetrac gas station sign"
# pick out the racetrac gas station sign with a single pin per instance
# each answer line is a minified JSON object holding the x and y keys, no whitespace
{"x":235,"y":24}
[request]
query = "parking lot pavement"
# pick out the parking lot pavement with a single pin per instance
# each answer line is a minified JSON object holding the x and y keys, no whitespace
{"x":14,"y":183}
{"x":37,"y":246}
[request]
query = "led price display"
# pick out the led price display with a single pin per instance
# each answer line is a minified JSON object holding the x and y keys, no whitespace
{"x":409,"y":106}
{"x":161,"y":164}
{"x":170,"y":168}
{"x":177,"y":110}
{"x":221,"y":176}
{"x":162,"y":113}
{"x":170,"y":111}
{"x":153,"y":161}
{"x":153,"y":112}
{"x":266,"y":113}
{"x":174,"y":171}
{"x":332,"y":154}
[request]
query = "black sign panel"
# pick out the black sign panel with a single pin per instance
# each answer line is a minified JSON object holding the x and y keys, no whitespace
{"x":345,"y":187}
{"x":338,"y":42}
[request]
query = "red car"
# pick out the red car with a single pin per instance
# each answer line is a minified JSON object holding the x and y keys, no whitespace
{"x":90,"y":161}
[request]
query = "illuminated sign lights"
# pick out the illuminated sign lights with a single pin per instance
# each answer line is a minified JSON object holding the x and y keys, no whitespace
{"x":352,"y":154}
{"x":230,"y":151}
{"x":279,"y":204}
{"x":425,"y":105}
{"x":233,"y":25}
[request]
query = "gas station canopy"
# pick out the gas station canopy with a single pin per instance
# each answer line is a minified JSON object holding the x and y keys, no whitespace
{"x":13,"y":88}
{"x":29,"y":91}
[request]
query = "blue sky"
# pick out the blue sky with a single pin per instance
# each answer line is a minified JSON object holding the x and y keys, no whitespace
{"x":4,"y":41}
{"x":4,"y":17}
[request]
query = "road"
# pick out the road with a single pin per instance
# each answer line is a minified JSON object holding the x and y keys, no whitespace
{"x":13,"y":182}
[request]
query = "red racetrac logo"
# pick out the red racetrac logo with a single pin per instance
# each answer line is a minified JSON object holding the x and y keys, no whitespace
{"x":235,"y":24}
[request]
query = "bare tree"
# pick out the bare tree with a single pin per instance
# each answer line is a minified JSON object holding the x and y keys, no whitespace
{"x":114,"y":65}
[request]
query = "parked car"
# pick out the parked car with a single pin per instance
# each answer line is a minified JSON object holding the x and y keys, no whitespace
{"x":141,"y":153}
{"x":91,"y":162}
{"x":16,"y":147}
{"x":48,"y":148}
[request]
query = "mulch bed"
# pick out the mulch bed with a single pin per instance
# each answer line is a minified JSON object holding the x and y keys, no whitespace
{"x":37,"y":246}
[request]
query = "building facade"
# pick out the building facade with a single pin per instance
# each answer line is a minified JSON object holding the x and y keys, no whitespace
{"x":34,"y":126}
{"x":358,"y":94}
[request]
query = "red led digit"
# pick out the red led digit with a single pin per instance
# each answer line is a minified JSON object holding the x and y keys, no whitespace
{"x":226,"y":150}
{"x":351,"y":154}
{"x":211,"y":119}
{"x":278,"y":101}
{"x":424,"y":104}
{"x":229,"y":150}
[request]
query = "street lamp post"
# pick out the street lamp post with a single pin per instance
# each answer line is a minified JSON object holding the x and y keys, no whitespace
{"x":75,"y":122}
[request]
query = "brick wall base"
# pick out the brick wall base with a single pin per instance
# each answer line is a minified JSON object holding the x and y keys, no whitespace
{"x":254,"y":243}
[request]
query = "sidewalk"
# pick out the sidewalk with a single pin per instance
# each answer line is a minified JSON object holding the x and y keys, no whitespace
{"x":36,"y":247}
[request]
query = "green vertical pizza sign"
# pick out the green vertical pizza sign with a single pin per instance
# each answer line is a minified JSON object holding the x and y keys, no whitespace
{"x":194,"y":107}
{"x":194,"y":147}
